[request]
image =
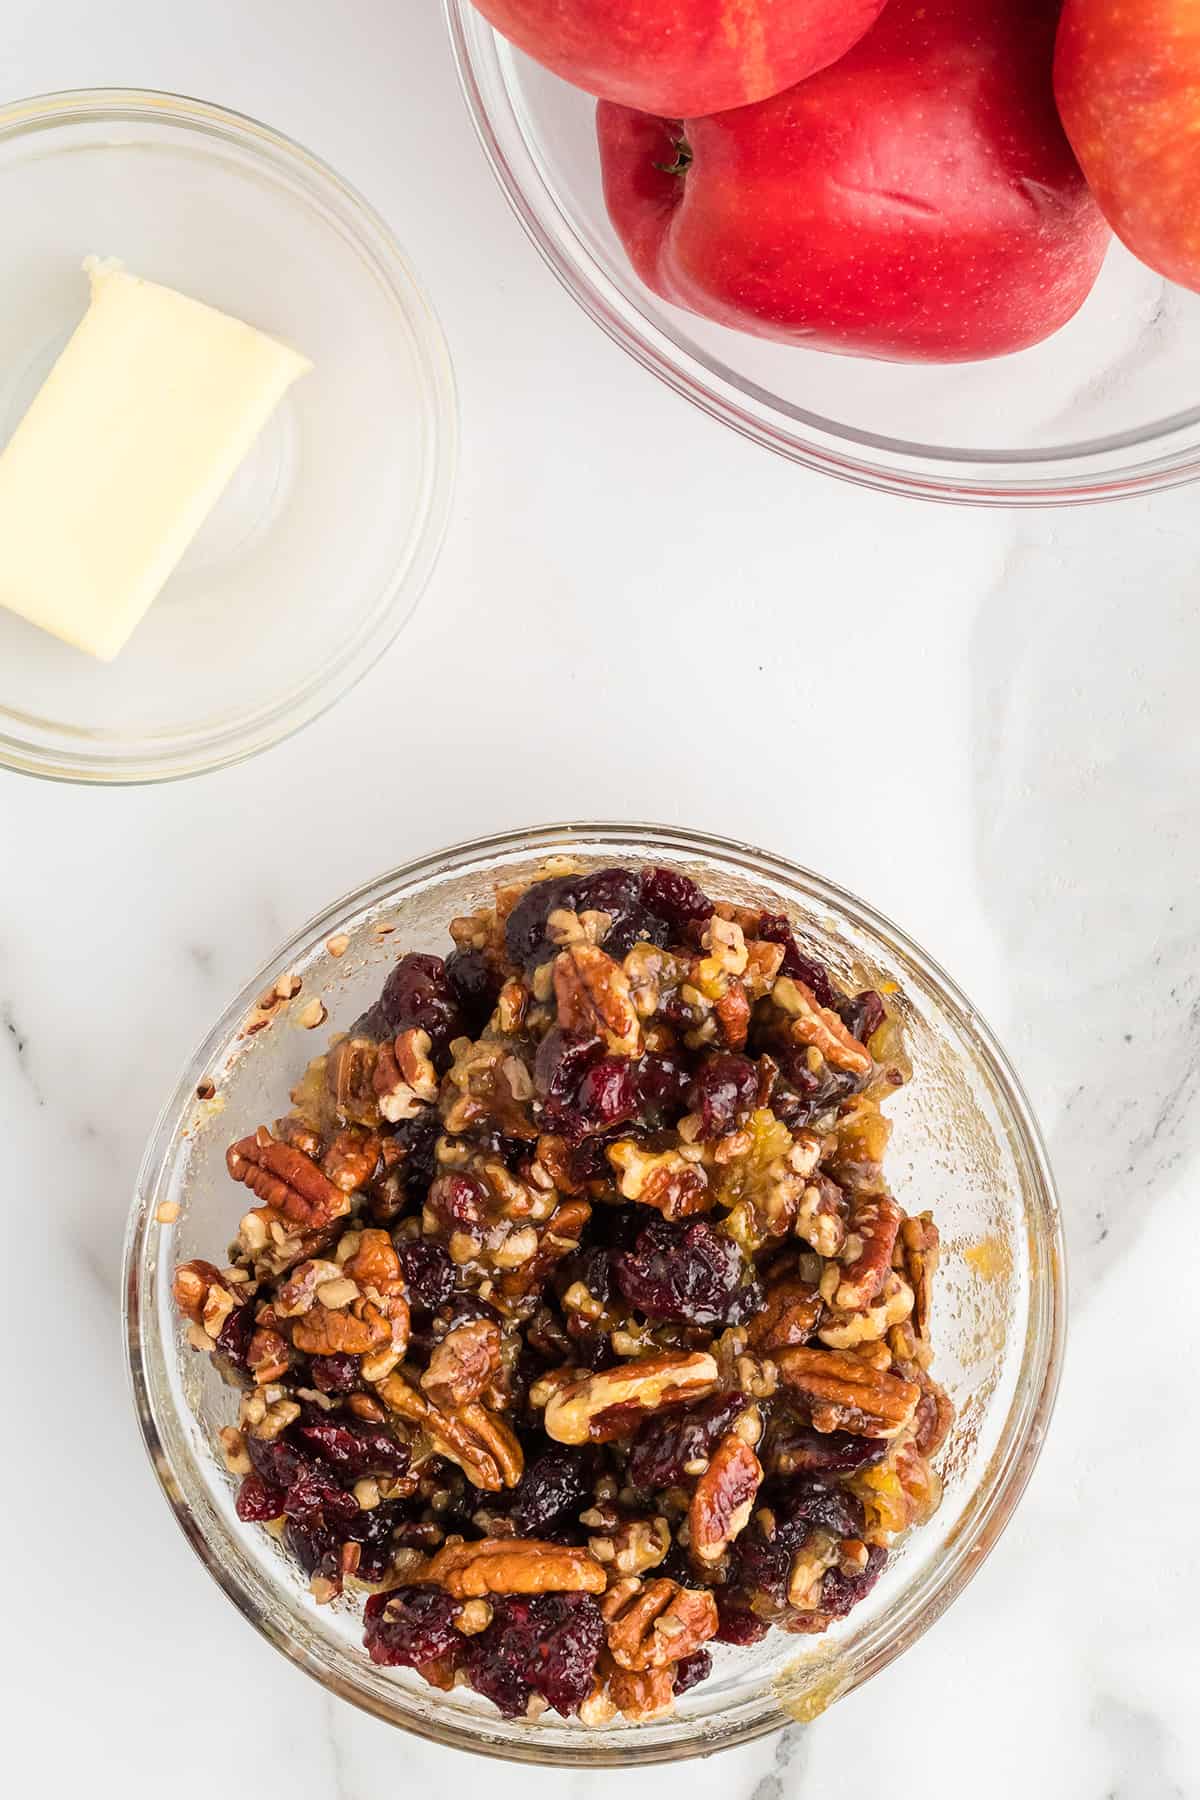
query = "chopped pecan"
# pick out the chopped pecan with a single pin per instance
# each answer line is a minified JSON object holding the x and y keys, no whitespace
{"x":487,"y":1081}
{"x":286,"y":1180}
{"x":360,"y":1311}
{"x":862,"y":1135}
{"x":733,"y":1015}
{"x":820,"y":1550}
{"x":668,"y":1180}
{"x":844,"y":1331}
{"x":723,"y":1498}
{"x":660,"y":1624}
{"x":845,"y":1393}
{"x":762,"y":1189}
{"x":559,"y":1237}
{"x":352,"y":1158}
{"x":629,"y":1547}
{"x":821,"y":1218}
{"x":593,"y":994}
{"x":812,"y":1023}
{"x":919,"y":1244}
{"x":576,"y":1410}
{"x":870,"y":1240}
{"x":790,"y":1314}
{"x":405,"y":1081}
{"x":465,"y":1363}
{"x":762,"y":967}
{"x":638,"y":1695}
{"x":202,"y":1295}
{"x":268,"y":1356}
{"x":515,"y":1566}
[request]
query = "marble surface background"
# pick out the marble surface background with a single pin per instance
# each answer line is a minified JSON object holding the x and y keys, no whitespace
{"x":986,"y":724}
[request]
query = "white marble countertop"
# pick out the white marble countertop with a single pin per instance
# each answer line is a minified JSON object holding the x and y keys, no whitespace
{"x":985,"y":724}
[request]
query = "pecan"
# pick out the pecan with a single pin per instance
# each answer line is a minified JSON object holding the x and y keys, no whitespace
{"x":806,"y":1574}
{"x":790,"y":1313}
{"x":762,"y":966}
{"x":352,"y":1158}
{"x":484,"y":1446}
{"x":898,"y":1493}
{"x":659,"y":1624}
{"x":464,"y":1364}
{"x":870,"y":1240}
{"x":733,"y":1015}
{"x":301,"y":1134}
{"x":480,"y":1085}
{"x":639,"y":1696}
{"x":576,"y":1409}
{"x":843,"y":1331}
{"x":559,"y":1237}
{"x":514,"y":1566}
{"x":723,"y":1498}
{"x":202,"y":1296}
{"x":812,"y":1023}
{"x":667,"y":1179}
{"x":629,"y":1547}
{"x":405,"y":1081}
{"x":863,"y":1132}
{"x":934,"y":1417}
{"x":593,"y":995}
{"x":845,"y":1393}
{"x":821,"y":1218}
{"x":349,"y":1080}
{"x":919,"y":1245}
{"x":286,"y":1181}
{"x":360,"y":1311}
{"x":268,"y":1356}
{"x":763,"y":1187}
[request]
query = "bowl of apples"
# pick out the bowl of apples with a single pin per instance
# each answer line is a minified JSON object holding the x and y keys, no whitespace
{"x":944,"y":248}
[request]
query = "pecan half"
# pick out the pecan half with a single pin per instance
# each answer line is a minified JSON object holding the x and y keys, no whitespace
{"x":202,"y":1296}
{"x":575,"y":1412}
{"x":349,"y":1080}
{"x":812,"y":1023}
{"x":630,"y":1547}
{"x":660,"y":1624}
{"x":821,"y":1218}
{"x":934,"y":1417}
{"x":286,"y":1180}
{"x":723,"y":1498}
{"x":514,"y":1566}
{"x":870,"y":1240}
{"x":352,"y":1158}
{"x":845,"y":1393}
{"x":484,"y":1445}
{"x":733,"y":1015}
{"x":359,"y":1310}
{"x":405,"y":1081}
{"x":593,"y":995}
{"x":919,"y":1243}
{"x":790,"y":1314}
{"x":559,"y":1237}
{"x":464,"y":1364}
{"x":639,"y":1696}
{"x":844,"y":1331}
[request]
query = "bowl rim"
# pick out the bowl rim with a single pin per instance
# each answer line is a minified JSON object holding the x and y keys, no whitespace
{"x":950,"y":476}
{"x":1027,"y":1421}
{"x":53,"y":750}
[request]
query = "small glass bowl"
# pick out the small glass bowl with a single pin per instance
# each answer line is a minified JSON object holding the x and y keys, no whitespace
{"x":1108,"y":407}
{"x":315,"y":556}
{"x":965,"y":1144}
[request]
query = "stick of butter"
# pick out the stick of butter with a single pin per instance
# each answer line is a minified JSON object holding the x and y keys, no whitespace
{"x":134,"y":436}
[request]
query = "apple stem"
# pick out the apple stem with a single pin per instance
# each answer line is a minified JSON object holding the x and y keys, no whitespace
{"x":683,"y":159}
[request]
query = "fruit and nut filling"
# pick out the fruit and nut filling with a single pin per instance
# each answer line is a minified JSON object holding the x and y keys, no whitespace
{"x":574,"y":1319}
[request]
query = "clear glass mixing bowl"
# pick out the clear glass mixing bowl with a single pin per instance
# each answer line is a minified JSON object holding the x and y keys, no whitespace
{"x":1110,"y":406}
{"x":315,"y":555}
{"x":965,"y":1144}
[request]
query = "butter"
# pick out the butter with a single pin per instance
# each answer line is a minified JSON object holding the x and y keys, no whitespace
{"x":132,"y":439}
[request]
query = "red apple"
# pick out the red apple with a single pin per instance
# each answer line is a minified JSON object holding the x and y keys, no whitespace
{"x":917,"y":201}
{"x":1127,"y":75}
{"x":683,"y":57}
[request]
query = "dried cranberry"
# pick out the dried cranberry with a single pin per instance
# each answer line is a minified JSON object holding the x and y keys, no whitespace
{"x":525,"y":930}
{"x":317,"y":1503}
{"x":589,"y":1160}
{"x":257,"y":1500}
{"x":802,"y":1095}
{"x":738,"y":1624}
{"x":607,"y":1095}
{"x":809,"y":1452}
{"x":353,"y":1451}
{"x":458,"y":1201}
{"x":692,"y":1670}
{"x":761,"y":1565}
{"x":428,"y":1274}
{"x":677,"y":1436}
{"x":548,"y":1645}
{"x":663,"y":1081}
{"x":278,"y":1462}
{"x":862,"y":1015}
{"x":418,"y":995}
{"x":416,"y":1140}
{"x":335,"y":1374}
{"x":801,"y":1504}
{"x":774,"y":928}
{"x":594,"y":1268}
{"x":676,"y":899}
{"x":476,"y":986}
{"x":374,"y":1531}
{"x":555,"y":1484}
{"x":411,"y":1626}
{"x":724,"y":1091}
{"x":687,"y":1271}
{"x":233,"y":1340}
{"x":841,"y":1593}
{"x":563,"y":1059}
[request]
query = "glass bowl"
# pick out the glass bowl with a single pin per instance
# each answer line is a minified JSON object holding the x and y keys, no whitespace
{"x":314,"y":557}
{"x":1110,"y":406}
{"x":965,"y":1144}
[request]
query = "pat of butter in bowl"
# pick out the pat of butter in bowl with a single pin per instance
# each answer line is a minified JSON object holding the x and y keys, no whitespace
{"x":134,"y":436}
